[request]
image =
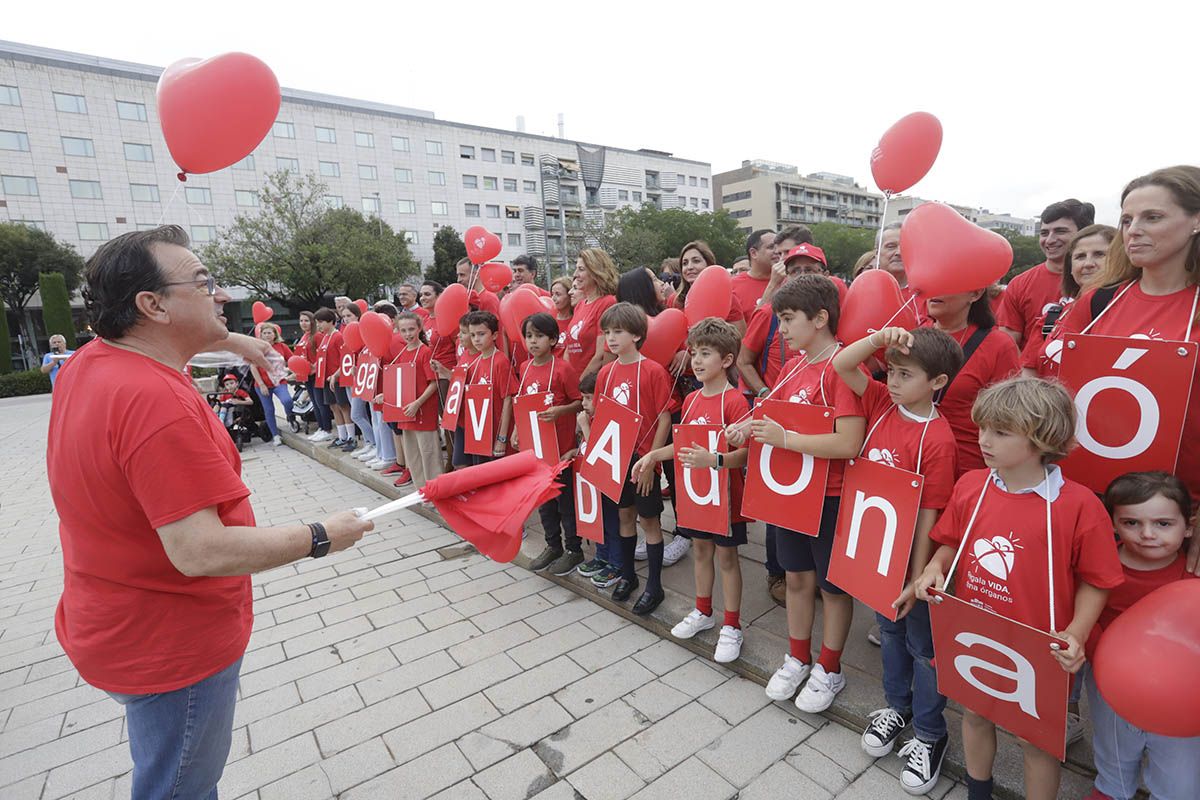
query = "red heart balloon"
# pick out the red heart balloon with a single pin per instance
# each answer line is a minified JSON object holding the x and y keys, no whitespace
{"x":482,"y":244}
{"x":261,"y":312}
{"x":376,"y":331}
{"x":216,"y":111}
{"x":666,"y":334}
{"x":944,"y":253}
{"x":530,"y":287}
{"x":362,"y":305}
{"x":449,"y":309}
{"x":710,"y":296}
{"x":300,"y":367}
{"x":352,"y":336}
{"x":873,"y":301}
{"x":495,"y":276}
{"x":514,"y":308}
{"x":1162,"y":629}
{"x":906,"y":151}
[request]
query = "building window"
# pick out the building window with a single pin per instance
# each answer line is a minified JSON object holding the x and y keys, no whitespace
{"x":198,"y":196}
{"x":466,"y":151}
{"x":246,"y":198}
{"x":246,"y":163}
{"x":623,"y":195}
{"x":400,"y":144}
{"x":691,"y":180}
{"x":704,"y":202}
{"x":283,"y":130}
{"x":637,"y":197}
{"x":70,"y":103}
{"x":514,"y":240}
{"x":403,"y":175}
{"x":693,"y":202}
{"x":138,"y":152}
{"x":203,"y":233}
{"x":368,"y":172}
{"x":704,"y":183}
{"x":408,"y":206}
{"x":433,"y":148}
{"x":364,"y":139}
{"x":288,"y":164}
{"x":570,"y":194}
{"x":527,"y":160}
{"x":488,"y":154}
{"x":510,"y":184}
{"x":73,"y":146}
{"x":334,"y":200}
{"x":680,"y":180}
{"x":143,"y":192}
{"x":512,"y":212}
{"x":530,"y":187}
{"x":472,"y":209}
{"x":470,"y":181}
{"x":489,"y":183}
{"x":330,"y":169}
{"x":19,"y":140}
{"x":92,"y":231}
{"x":493,"y":212}
{"x":326,"y":135}
{"x":134,"y":112}
{"x":508,"y":157}
{"x":437,"y":178}
{"x":410,"y":237}
{"x":86,"y":190}
{"x":371,"y":205}
{"x":10,"y":96}
{"x":40,"y":224}
{"x":440,"y":208}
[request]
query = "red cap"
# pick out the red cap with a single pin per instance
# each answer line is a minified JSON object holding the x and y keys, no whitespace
{"x":810,"y":250}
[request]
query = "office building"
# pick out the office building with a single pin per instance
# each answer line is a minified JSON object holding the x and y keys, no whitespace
{"x":767,"y":194}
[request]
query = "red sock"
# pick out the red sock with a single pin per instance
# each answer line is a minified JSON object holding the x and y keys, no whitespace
{"x":801,"y":649}
{"x":704,"y":605}
{"x":733,"y":619}
{"x":831,"y":660}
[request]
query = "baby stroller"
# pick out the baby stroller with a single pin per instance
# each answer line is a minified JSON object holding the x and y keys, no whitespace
{"x":247,"y":421}
{"x":303,"y":412}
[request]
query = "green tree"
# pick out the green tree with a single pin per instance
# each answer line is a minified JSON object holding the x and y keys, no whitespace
{"x":643,"y":237}
{"x":56,"y":307}
{"x":5,"y":342}
{"x":1026,"y":253}
{"x":842,"y":244}
{"x":448,"y":250}
{"x":296,"y":249}
{"x":26,"y":252}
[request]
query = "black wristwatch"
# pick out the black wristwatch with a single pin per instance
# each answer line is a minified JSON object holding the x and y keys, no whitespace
{"x":320,"y":540}
{"x":720,"y":460}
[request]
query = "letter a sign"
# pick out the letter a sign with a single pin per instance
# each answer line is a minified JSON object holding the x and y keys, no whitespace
{"x":875,"y":529}
{"x":399,"y":390}
{"x":454,"y":397}
{"x":532,"y":433}
{"x":611,"y":445}
{"x":479,"y":437}
{"x":783,"y":487}
{"x":1131,"y":396}
{"x":589,"y":519}
{"x":1002,"y":670}
{"x":701,"y":495}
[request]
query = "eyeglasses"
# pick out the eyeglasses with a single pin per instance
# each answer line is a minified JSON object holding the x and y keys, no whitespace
{"x":210,"y":284}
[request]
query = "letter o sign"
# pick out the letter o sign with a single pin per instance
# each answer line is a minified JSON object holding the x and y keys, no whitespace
{"x":1148,"y":411}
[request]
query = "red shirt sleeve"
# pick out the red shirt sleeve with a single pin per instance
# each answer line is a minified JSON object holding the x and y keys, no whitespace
{"x":1094,"y":551}
{"x":756,"y":331}
{"x":939,"y":459}
{"x":1009,"y":314}
{"x":875,"y":401}
{"x":845,"y":401}
{"x":951,"y":525}
{"x":506,"y":379}
{"x":424,"y":364}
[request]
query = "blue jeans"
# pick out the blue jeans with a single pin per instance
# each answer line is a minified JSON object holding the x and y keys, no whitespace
{"x":360,"y":415}
{"x":610,"y":551}
{"x":180,"y":740}
{"x":324,"y":420}
{"x":909,"y":680}
{"x":385,"y":445}
{"x":268,"y":405}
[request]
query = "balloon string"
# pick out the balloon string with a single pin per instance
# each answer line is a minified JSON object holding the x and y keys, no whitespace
{"x":899,"y":311}
{"x":167,"y":207}
{"x":882,"y":224}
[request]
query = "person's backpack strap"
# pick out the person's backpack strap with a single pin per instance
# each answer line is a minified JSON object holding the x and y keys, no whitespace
{"x":771,"y":331}
{"x":1100,"y":300}
{"x":969,"y":347}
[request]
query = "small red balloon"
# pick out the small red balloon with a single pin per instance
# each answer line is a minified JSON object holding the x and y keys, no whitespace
{"x":665,"y":335}
{"x":300,"y":367}
{"x":363,"y":305}
{"x":514,"y":308}
{"x":495,"y":276}
{"x":352,"y":336}
{"x":261,"y":311}
{"x":873,"y":302}
{"x":376,"y":331}
{"x":906,"y":151}
{"x":945,"y":253}
{"x":449,"y":309}
{"x":482,"y":244}
{"x":710,"y":296}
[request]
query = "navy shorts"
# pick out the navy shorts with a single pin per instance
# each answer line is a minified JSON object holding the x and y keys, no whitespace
{"x":340,"y":396}
{"x":798,"y":552}
{"x":736,"y":537}
{"x":648,"y":506}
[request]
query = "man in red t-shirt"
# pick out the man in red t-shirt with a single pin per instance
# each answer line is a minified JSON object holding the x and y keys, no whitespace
{"x":749,"y":286}
{"x":158,"y":536}
{"x":1031,"y":294}
{"x":525,"y":274}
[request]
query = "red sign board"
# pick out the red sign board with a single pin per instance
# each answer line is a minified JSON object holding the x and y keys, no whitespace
{"x":366,"y":378}
{"x":589,"y":516}
{"x":454,"y":397}
{"x":399,"y":390}
{"x":611,"y":446}
{"x":345,"y":373}
{"x":783,"y":487}
{"x":477,"y":424}
{"x":701,"y":495}
{"x":532,"y":433}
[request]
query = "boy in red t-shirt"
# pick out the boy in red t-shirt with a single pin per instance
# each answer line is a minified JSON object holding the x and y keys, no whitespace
{"x":231,"y":398}
{"x":713,"y":344}
{"x":643,"y":386}
{"x":1025,"y":425}
{"x":904,"y":430}
{"x":493,"y":369}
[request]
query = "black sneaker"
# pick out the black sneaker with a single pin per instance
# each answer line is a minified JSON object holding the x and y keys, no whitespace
{"x":881,"y":734}
{"x":547,"y":557}
{"x":924,"y":764}
{"x":338,"y":442}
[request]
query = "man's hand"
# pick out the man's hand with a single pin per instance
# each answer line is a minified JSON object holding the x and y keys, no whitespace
{"x":344,"y":529}
{"x":253,"y":350}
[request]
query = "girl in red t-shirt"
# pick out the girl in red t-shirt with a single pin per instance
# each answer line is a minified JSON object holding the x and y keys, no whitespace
{"x":564,"y":310}
{"x":419,"y":436}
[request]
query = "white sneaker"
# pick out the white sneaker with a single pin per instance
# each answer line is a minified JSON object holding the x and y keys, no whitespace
{"x":639,"y":552}
{"x":924,"y":764}
{"x":787,"y":679}
{"x":369,"y":454}
{"x":817,"y":695}
{"x":366,"y":446}
{"x":277,"y":441}
{"x":676,"y":550}
{"x":692,"y":624}
{"x":378,"y":464}
{"x":321,"y":436}
{"x":729,"y":645}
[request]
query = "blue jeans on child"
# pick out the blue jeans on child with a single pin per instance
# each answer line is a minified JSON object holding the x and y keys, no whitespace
{"x":180,"y":740}
{"x":360,"y":415}
{"x":268,"y":404}
{"x":610,"y":551}
{"x":385,"y":445}
{"x":324,"y":420}
{"x":909,"y":680}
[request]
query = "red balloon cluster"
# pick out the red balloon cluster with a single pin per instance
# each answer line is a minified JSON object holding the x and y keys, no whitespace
{"x":906,"y":151}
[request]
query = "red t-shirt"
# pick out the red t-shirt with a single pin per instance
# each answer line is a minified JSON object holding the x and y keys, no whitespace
{"x":485,"y":301}
{"x":421,"y":356}
{"x":306,"y":346}
{"x":643,"y":386}
{"x":755,"y":340}
{"x":1003,"y":568}
{"x":564,"y":325}
{"x":899,"y":440}
{"x":560,"y":379}
{"x":819,"y":384}
{"x":585,"y":329}
{"x":495,"y":371}
{"x":906,"y":294}
{"x":1027,"y":298}
{"x":444,"y":347}
{"x":747,"y":291}
{"x":722,"y":409}
{"x":995,"y":359}
{"x":329,"y":356}
{"x":416,"y":309}
{"x":132,"y":446}
{"x":240,"y":394}
{"x":1138,"y":583}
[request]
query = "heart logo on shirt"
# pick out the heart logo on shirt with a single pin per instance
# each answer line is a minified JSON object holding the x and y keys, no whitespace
{"x":1054,"y":351}
{"x":700,"y":421}
{"x":799,"y":397}
{"x":882,"y":456}
{"x":996,"y":555}
{"x":532,"y":388}
{"x":548,"y":400}
{"x":621,"y":393}
{"x":575,"y":329}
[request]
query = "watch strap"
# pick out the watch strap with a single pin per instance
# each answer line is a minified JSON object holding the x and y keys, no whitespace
{"x":320,"y":540}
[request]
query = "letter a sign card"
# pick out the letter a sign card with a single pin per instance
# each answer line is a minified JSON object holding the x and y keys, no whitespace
{"x":589,"y":520}
{"x":701,"y":495}
{"x":454,"y":397}
{"x":875,"y":530}
{"x":477,"y":427}
{"x":532,"y":433}
{"x":611,"y":446}
{"x":1002,"y":670}
{"x":399,"y":390}
{"x":1131,"y":396}
{"x":783,"y":487}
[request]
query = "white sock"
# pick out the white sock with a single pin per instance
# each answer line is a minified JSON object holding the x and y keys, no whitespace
{"x":344,"y":431}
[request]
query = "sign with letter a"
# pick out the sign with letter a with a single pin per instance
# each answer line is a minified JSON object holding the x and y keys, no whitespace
{"x":532,"y":433}
{"x":454,"y":396}
{"x":875,"y":529}
{"x":783,"y":487}
{"x":611,"y":446}
{"x":589,"y":518}
{"x":1131,"y":397}
{"x":399,"y":390}
{"x":366,"y":376}
{"x":701,"y":495}
{"x":345,"y":373}
{"x":1002,"y":670}
{"x":479,"y":437}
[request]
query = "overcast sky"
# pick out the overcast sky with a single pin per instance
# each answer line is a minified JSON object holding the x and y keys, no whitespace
{"x":1037,"y":103}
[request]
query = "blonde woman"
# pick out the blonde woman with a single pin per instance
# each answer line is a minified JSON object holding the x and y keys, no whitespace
{"x":596,"y":284}
{"x":265,"y":388}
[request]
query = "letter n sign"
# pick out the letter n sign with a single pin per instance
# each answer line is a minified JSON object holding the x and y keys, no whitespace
{"x":1002,"y":670}
{"x":1131,"y":397}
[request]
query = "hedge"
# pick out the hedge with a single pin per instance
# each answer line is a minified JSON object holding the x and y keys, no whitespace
{"x":19,"y":384}
{"x":56,"y":307}
{"x":5,"y":342}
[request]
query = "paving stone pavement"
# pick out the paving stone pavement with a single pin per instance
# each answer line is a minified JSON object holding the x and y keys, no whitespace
{"x":409,"y":666}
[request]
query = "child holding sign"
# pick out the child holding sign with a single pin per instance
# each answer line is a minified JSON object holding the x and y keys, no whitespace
{"x":906,"y":432}
{"x":714,"y":345}
{"x":487,"y":403}
{"x":418,"y":433}
{"x":1033,"y":541}
{"x":604,"y":569}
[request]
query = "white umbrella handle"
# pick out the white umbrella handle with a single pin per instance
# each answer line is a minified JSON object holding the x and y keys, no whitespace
{"x":389,"y":508}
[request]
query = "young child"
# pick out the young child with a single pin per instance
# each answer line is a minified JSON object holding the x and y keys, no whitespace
{"x":465,"y":355}
{"x":644,"y":386}
{"x":231,"y":398}
{"x":329,"y":358}
{"x":490,"y":368}
{"x":714,"y":345}
{"x":1152,"y":514}
{"x":807,"y":306}
{"x":906,"y":431}
{"x":1025,"y":425}
{"x":605,"y":568}
{"x":419,"y":436}
{"x":545,"y":372}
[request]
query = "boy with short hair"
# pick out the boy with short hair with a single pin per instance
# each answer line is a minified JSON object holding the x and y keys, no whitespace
{"x":643,"y":386}
{"x":490,"y":368}
{"x":1025,"y":426}
{"x":230,"y":397}
{"x":605,"y":568}
{"x":905,"y":431}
